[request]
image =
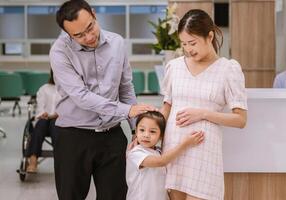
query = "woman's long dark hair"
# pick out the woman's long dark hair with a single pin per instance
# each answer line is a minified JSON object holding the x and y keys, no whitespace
{"x":51,"y":78}
{"x":198,"y":22}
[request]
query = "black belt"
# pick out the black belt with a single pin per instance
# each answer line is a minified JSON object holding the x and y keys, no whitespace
{"x":95,"y":130}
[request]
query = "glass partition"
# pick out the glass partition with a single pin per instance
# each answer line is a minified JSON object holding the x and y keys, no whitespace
{"x":139,"y":17}
{"x":12,"y":24}
{"x":12,"y":48}
{"x":112,"y":18}
{"x":42,"y":22}
{"x":142,"y":49}
{"x":40,"y":49}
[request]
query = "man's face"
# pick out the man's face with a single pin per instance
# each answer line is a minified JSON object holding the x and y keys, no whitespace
{"x":85,"y":29}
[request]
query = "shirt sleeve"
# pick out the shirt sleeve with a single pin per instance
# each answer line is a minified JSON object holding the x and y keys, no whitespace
{"x":235,"y":92}
{"x":126,"y":88}
{"x":137,"y":155}
{"x":167,"y":84}
{"x":277,"y":82}
{"x":73,"y":85}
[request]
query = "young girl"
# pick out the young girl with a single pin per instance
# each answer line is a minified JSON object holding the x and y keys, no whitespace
{"x":145,"y":173}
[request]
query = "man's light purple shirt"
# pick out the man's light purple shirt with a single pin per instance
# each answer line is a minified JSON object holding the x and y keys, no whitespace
{"x":94,"y":83}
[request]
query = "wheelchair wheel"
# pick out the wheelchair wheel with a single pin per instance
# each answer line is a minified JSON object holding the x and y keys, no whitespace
{"x":26,"y":138}
{"x":22,"y":170}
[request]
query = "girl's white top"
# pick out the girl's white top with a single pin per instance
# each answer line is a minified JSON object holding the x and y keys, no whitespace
{"x":144,"y":183}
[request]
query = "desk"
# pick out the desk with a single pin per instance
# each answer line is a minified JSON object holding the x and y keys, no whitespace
{"x":254,"y":157}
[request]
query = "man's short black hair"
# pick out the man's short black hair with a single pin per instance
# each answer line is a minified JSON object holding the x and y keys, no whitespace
{"x":69,"y":11}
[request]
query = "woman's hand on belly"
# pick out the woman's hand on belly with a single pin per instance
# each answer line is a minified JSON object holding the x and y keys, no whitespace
{"x":188,"y":116}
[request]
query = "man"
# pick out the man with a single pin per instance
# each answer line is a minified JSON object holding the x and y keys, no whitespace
{"x":93,"y":77}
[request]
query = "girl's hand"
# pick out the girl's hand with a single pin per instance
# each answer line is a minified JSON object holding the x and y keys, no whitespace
{"x":188,"y":116}
{"x":132,"y":144}
{"x":194,"y":138}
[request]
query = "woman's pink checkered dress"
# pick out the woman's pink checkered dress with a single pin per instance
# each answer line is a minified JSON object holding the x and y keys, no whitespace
{"x":199,"y":170}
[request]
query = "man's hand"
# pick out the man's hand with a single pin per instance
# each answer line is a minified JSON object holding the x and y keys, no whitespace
{"x":138,"y":109}
{"x":53,"y":116}
{"x":45,"y":115}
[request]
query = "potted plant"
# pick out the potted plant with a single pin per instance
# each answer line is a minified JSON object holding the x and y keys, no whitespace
{"x":166,"y":31}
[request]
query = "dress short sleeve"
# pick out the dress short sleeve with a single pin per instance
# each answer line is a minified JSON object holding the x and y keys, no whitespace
{"x":167,"y":84}
{"x":235,"y":92}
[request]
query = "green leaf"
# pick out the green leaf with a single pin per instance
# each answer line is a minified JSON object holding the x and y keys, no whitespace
{"x":164,"y":40}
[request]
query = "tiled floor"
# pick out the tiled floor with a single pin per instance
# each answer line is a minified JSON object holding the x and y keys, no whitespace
{"x":38,"y":186}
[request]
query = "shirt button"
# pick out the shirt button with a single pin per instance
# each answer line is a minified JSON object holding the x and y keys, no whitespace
{"x":99,"y":67}
{"x":100,"y":83}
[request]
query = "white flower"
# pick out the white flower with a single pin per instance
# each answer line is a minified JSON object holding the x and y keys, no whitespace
{"x":165,"y":31}
{"x":172,"y":10}
{"x":173,"y":22}
{"x":173,"y":19}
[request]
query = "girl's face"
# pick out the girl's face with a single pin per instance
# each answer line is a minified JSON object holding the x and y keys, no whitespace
{"x":148,"y":132}
{"x":196,"y":47}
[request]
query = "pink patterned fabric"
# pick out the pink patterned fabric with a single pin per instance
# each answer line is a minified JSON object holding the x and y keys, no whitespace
{"x":199,"y":170}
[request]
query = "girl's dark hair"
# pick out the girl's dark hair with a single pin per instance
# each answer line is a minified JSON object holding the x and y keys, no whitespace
{"x":198,"y":22}
{"x":69,"y":11}
{"x":51,"y":78}
{"x":157,"y":116}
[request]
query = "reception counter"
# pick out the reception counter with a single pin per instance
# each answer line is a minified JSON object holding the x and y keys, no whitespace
{"x":261,"y":145}
{"x":254,"y":157}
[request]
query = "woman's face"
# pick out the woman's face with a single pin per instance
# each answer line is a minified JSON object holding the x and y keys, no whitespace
{"x":196,"y":47}
{"x":148,"y":132}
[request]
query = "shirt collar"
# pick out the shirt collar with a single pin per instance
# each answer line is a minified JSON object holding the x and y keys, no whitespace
{"x":102,"y":40}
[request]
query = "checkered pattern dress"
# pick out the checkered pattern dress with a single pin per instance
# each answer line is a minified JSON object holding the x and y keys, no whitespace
{"x":199,"y":170}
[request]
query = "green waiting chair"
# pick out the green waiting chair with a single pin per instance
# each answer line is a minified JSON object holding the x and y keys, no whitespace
{"x":3,"y":72}
{"x":153,"y":83}
{"x":24,"y":75}
{"x":11,"y":89}
{"x":34,"y":81}
{"x":138,"y":80}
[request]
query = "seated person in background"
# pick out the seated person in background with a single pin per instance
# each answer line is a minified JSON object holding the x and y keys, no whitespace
{"x":280,"y":80}
{"x":47,"y":98}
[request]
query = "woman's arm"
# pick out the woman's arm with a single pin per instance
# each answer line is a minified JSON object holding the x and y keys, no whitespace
{"x":162,"y":160}
{"x":237,"y":118}
{"x":188,"y":116}
{"x":165,"y":110}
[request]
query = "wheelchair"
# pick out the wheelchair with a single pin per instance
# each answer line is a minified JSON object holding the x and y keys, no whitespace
{"x":26,"y":143}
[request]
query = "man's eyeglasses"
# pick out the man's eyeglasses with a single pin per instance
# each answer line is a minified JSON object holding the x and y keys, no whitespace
{"x":88,"y":30}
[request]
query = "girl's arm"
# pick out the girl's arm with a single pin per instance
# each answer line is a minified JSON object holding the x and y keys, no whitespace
{"x":188,"y":116}
{"x":165,"y":110}
{"x":162,"y":160}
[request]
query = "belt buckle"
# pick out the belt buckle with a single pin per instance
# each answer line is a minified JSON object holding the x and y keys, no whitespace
{"x":106,"y":129}
{"x":98,"y":130}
